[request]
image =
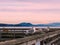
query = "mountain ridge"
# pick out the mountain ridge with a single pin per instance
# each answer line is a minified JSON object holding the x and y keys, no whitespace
{"x":30,"y":24}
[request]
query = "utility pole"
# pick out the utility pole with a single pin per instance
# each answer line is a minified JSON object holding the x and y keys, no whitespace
{"x":0,"y":34}
{"x":14,"y":33}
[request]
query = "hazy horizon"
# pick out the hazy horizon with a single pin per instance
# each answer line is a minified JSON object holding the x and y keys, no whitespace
{"x":33,"y":11}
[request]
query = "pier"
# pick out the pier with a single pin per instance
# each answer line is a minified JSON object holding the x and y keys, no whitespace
{"x":39,"y":39}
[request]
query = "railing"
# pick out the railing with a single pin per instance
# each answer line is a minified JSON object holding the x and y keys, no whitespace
{"x":29,"y":38}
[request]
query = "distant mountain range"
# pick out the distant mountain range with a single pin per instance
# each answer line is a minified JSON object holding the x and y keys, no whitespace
{"x":30,"y":24}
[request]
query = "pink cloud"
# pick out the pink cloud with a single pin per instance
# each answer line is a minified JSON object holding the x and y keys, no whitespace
{"x":15,"y":12}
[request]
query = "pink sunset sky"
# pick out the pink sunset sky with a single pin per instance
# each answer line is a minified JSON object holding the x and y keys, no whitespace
{"x":34,"y":11}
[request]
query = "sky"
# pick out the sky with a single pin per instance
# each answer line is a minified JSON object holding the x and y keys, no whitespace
{"x":33,"y":11}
